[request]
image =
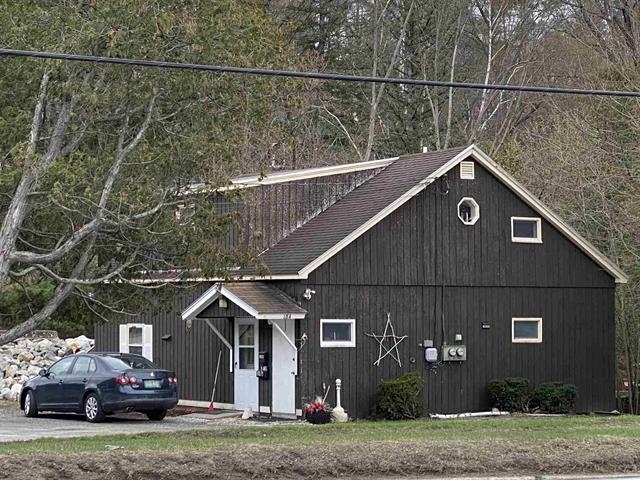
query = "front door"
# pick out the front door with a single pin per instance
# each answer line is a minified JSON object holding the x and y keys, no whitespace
{"x":246,"y":363}
{"x":284,"y":368}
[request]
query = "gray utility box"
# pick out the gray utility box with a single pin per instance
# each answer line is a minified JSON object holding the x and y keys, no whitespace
{"x":454,"y":353}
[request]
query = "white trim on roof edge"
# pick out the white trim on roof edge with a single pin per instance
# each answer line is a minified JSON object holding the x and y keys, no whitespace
{"x":549,"y":216}
{"x":248,"y":181}
{"x":244,"y":278}
{"x":212,"y":294}
{"x":503,"y":176}
{"x":381,"y":215}
{"x":202,"y":302}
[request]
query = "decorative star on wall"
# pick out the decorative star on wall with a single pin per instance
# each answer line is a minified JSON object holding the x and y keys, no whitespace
{"x":392,"y":351}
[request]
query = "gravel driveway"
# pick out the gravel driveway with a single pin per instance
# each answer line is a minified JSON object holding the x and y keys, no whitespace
{"x":14,"y":426}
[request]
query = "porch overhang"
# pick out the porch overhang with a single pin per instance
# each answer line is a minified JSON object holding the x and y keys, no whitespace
{"x":258,"y":299}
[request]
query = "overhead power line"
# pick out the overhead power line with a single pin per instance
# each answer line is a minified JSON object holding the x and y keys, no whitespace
{"x":309,"y":75}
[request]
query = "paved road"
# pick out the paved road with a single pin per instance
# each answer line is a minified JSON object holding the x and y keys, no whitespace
{"x":14,"y":426}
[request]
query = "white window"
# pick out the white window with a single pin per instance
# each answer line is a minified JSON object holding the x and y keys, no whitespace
{"x":526,"y":330}
{"x":526,"y":230}
{"x":338,"y":332}
{"x":137,"y":338}
{"x":468,"y":211}
{"x":467,"y":170}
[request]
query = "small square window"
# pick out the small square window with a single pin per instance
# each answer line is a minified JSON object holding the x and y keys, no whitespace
{"x":338,"y":332}
{"x":526,"y":330}
{"x":526,"y":230}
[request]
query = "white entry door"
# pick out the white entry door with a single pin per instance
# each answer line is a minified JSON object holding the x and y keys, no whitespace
{"x":246,"y":363}
{"x":283,"y":368}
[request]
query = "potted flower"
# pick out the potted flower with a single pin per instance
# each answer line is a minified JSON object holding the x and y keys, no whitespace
{"x":317,"y":411}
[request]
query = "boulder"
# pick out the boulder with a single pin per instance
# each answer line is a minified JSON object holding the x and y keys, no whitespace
{"x":45,"y":345}
{"x":25,"y":356}
{"x":24,"y":359}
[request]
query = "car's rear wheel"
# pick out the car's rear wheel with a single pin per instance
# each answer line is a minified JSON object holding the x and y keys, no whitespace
{"x":93,"y":408}
{"x":156,"y":415}
{"x":30,"y":406}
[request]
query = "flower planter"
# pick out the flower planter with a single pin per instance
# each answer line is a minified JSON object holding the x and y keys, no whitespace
{"x":318,"y":417}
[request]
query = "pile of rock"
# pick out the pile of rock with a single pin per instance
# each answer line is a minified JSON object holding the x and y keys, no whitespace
{"x":24,"y":358}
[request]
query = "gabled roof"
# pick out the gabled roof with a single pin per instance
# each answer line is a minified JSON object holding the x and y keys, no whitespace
{"x":315,"y":242}
{"x":258,"y":299}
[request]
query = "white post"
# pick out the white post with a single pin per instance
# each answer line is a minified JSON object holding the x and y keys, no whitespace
{"x":338,"y":414}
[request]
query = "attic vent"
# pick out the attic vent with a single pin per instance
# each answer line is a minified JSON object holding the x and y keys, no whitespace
{"x":467,"y":170}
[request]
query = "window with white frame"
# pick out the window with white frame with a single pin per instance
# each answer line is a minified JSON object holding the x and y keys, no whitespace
{"x":468,"y":211}
{"x":337,"y":332}
{"x":526,"y":330}
{"x":526,"y":230}
{"x":137,"y":338}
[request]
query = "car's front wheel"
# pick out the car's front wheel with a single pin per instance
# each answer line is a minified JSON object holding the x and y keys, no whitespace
{"x":156,"y":415}
{"x":93,"y":408}
{"x":30,"y":406}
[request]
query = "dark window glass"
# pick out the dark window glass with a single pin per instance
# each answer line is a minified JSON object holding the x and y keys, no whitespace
{"x":62,"y":366}
{"x":525,"y":329}
{"x":465,"y":212}
{"x":136,"y":350}
{"x":336,"y":332}
{"x":125,"y":363}
{"x":246,"y":359}
{"x":525,"y":228}
{"x":81,"y":366}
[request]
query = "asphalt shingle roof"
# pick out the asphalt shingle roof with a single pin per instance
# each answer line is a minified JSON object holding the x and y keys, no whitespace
{"x":322,"y":232}
{"x":263,"y":298}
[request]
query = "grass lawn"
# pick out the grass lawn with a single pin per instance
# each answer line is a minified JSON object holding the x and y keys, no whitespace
{"x":495,"y":446}
{"x":514,"y":429}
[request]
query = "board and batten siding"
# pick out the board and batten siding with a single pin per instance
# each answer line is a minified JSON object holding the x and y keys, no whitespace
{"x":266,"y":214}
{"x":425,"y":243}
{"x":192,"y":354}
{"x":438,"y":277}
{"x":578,"y":342}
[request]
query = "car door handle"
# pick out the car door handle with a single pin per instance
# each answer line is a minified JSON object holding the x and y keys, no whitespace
{"x":60,"y":382}
{"x":84,"y":380}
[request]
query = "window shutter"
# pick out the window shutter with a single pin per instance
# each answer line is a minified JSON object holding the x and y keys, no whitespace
{"x":467,"y":170}
{"x":147,"y":341}
{"x":124,"y":338}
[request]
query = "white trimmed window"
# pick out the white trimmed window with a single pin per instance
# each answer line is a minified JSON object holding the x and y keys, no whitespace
{"x":526,"y":230}
{"x":526,"y":330}
{"x":137,"y":338}
{"x":468,"y":211}
{"x":337,"y":332}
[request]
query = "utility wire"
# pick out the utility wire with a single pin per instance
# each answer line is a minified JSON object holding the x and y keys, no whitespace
{"x":309,"y":75}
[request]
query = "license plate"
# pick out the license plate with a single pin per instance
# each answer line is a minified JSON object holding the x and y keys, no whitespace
{"x":152,"y":383}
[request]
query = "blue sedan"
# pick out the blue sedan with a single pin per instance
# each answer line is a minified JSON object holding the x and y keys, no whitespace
{"x":99,"y":384}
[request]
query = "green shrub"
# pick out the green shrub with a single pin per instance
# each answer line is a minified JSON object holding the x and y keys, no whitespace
{"x":555,"y":397}
{"x":511,"y":394}
{"x":400,"y":398}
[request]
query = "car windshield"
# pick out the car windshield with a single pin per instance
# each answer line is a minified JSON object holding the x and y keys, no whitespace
{"x":124,"y":363}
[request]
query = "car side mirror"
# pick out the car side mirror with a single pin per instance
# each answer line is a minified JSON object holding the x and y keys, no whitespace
{"x":42,"y":372}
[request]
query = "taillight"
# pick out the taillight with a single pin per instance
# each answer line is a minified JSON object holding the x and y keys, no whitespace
{"x":173,"y":380}
{"x":125,"y":380}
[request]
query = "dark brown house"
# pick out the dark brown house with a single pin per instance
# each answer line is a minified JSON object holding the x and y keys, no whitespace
{"x":439,"y":263}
